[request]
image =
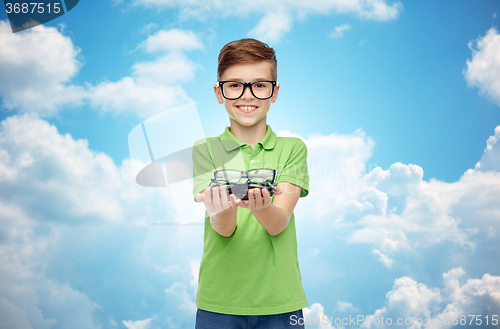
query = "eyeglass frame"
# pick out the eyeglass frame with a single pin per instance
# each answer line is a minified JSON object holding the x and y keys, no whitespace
{"x":244,"y":174}
{"x":245,"y":85}
{"x":269,"y":184}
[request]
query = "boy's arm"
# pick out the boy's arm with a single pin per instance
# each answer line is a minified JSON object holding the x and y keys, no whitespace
{"x":224,"y":222}
{"x":222,"y":211}
{"x":293,"y":183}
{"x":274,"y":217}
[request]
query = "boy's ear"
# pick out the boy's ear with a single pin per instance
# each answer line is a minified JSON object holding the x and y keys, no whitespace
{"x":218,"y":94}
{"x":275,"y":94}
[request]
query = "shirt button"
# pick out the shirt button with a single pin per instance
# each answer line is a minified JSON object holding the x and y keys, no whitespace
{"x":251,"y":161}
{"x":249,"y":151}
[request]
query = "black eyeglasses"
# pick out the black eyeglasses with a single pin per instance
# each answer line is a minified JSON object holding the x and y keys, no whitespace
{"x":234,"y":89}
{"x":235,"y":182}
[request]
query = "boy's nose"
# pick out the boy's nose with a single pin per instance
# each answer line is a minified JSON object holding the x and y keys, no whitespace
{"x":247,"y":93}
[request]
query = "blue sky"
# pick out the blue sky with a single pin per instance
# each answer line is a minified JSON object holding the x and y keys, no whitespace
{"x":408,"y":90}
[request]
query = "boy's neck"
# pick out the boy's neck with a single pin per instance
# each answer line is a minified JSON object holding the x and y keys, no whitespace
{"x":249,"y":135}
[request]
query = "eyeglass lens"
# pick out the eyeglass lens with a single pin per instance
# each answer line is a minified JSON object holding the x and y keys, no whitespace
{"x":228,"y":176}
{"x":260,"y":175}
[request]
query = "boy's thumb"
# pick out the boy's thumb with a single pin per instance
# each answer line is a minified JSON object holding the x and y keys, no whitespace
{"x":199,"y":197}
{"x":278,"y":190}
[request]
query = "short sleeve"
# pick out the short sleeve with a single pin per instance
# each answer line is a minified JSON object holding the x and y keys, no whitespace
{"x":295,"y":169}
{"x":203,"y":169}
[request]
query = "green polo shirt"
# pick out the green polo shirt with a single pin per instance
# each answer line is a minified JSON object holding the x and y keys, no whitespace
{"x":250,"y":272}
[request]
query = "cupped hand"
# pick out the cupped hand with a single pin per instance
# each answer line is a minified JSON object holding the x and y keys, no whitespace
{"x":258,"y":199}
{"x":215,"y":199}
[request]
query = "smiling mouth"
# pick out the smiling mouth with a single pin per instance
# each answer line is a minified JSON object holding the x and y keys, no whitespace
{"x":246,"y":108}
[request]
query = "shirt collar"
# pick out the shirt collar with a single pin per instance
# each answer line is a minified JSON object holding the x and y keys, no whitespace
{"x":269,"y":139}
{"x":233,"y":143}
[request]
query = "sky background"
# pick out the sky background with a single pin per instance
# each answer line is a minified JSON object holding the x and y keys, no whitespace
{"x":398,"y":100}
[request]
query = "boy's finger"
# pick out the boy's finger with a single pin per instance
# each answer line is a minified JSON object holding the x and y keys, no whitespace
{"x":207,"y":200}
{"x":224,"y":200}
{"x":241,"y":203}
{"x":251,"y":199}
{"x":199,"y":197}
{"x":233,"y":199}
{"x":216,"y":199}
{"x":258,"y":198}
{"x":266,"y":197}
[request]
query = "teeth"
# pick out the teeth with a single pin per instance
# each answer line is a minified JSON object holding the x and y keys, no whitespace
{"x":248,"y":108}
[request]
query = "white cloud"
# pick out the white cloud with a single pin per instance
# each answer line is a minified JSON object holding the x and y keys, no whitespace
{"x":195,"y":272}
{"x":413,"y":215}
{"x":335,"y":163}
{"x":130,"y":96}
{"x":148,"y":27}
{"x":138,"y":324}
{"x":179,"y":310}
{"x":69,"y":215}
{"x":168,"y":69}
{"x":418,"y":304}
{"x":338,"y":31}
{"x":272,"y":27}
{"x":36,"y":66}
{"x":278,"y":16}
{"x":395,"y":211}
{"x":386,"y":260}
{"x":315,"y":317}
{"x":491,"y":156}
{"x":416,"y":215}
{"x":28,"y":298}
{"x":178,"y":293}
{"x":40,"y":166}
{"x":154,"y":85}
{"x":342,"y":306}
{"x":483,"y":70}
{"x":174,"y":40}
{"x":473,"y":200}
{"x":367,"y":9}
{"x":379,"y":10}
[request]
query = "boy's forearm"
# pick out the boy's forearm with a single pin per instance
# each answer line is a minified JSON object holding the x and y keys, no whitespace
{"x":272,"y":218}
{"x":224,"y":222}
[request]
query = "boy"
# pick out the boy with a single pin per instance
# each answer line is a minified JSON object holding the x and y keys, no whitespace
{"x":249,"y":273}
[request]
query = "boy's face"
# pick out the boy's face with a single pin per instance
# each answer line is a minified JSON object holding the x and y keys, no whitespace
{"x":247,"y":110}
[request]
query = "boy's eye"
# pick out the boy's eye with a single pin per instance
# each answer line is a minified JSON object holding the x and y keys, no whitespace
{"x":262,"y":85}
{"x":235,"y":85}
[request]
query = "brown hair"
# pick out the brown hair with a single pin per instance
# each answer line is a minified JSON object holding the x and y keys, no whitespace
{"x":245,"y":51}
